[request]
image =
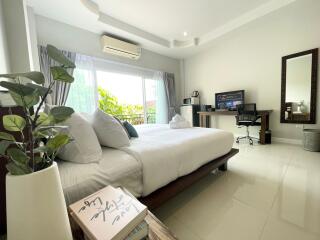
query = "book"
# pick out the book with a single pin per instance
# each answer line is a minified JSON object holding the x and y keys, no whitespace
{"x":140,"y":232}
{"x":109,"y":214}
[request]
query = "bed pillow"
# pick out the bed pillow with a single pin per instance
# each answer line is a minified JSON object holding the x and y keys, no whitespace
{"x":109,"y":131}
{"x":85,"y":147}
{"x":124,"y":128}
{"x":130,"y":129}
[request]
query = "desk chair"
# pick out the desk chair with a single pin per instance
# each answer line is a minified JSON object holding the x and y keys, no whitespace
{"x":247,"y":116}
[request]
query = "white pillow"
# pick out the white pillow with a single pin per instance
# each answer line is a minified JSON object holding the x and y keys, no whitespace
{"x":85,"y":147}
{"x":109,"y":131}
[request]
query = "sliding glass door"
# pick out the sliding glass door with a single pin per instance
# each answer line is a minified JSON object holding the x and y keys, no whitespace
{"x":129,"y":93}
{"x":130,"y":98}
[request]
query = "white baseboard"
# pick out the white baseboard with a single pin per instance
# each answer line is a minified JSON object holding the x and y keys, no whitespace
{"x":287,"y":140}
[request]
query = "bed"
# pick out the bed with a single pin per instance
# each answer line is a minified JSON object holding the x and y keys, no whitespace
{"x":158,"y":158}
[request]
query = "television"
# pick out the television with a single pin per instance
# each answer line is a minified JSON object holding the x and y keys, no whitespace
{"x":229,"y":100}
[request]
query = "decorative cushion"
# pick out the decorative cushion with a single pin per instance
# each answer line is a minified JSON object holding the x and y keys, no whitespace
{"x":130,"y":129}
{"x":85,"y":147}
{"x":109,"y":131}
{"x":122,"y":126}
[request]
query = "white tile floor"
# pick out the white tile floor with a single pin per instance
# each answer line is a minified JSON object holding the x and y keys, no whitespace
{"x":270,"y":192}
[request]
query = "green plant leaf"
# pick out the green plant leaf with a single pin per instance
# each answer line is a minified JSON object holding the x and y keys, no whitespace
{"x":19,"y":157}
{"x":34,"y":76}
{"x":43,"y":119}
{"x":26,"y":101}
{"x":60,"y":74}
{"x":17,"y":88}
{"x":7,"y":136}
{"x":14,"y":123}
{"x":3,"y":146}
{"x":42,"y":90}
{"x":58,"y":141}
{"x":38,"y":159}
{"x":58,"y":56}
{"x":14,"y":169}
{"x":40,"y":149}
{"x":61,"y":113}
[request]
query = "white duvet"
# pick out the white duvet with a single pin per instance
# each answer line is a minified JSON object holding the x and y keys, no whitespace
{"x":166,"y":154}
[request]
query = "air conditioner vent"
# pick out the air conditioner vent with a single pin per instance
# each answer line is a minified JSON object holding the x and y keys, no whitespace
{"x":121,"y":48}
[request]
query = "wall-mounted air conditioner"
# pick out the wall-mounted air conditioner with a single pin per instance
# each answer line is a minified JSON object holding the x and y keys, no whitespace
{"x":121,"y":48}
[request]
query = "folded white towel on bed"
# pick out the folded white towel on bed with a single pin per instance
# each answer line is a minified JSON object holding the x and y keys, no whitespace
{"x":179,"y":122}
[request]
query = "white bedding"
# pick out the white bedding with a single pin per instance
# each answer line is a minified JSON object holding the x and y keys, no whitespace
{"x":166,"y":154}
{"x":116,"y":168}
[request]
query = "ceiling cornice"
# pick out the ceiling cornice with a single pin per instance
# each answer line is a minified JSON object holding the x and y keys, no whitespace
{"x":250,"y":16}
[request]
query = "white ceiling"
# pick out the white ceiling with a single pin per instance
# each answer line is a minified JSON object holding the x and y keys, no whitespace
{"x":159,"y":25}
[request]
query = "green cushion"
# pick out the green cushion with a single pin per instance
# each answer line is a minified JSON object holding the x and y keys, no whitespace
{"x":130,"y":129}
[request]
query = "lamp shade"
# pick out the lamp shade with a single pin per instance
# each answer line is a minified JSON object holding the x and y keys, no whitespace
{"x":36,"y":208}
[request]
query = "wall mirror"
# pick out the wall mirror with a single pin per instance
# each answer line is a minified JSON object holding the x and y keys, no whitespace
{"x":299,"y":87}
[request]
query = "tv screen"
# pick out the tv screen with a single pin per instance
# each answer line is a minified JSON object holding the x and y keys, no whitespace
{"x":229,"y":100}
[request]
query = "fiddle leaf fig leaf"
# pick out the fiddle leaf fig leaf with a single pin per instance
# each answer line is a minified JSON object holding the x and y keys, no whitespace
{"x":3,"y":146}
{"x":43,"y":119}
{"x":58,"y":141}
{"x":61,"y":113}
{"x":14,"y":123}
{"x":40,"y":149}
{"x":26,"y":101}
{"x":59,"y":57}
{"x":37,"y":77}
{"x":42,"y":90}
{"x":7,"y":136}
{"x":19,"y":157}
{"x":60,"y":74}
{"x":17,"y":88}
{"x":14,"y":169}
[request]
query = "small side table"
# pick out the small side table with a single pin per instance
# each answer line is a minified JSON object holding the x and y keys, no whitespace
{"x":157,"y":230}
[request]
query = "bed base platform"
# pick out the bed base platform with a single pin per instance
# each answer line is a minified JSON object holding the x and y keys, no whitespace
{"x":167,"y":192}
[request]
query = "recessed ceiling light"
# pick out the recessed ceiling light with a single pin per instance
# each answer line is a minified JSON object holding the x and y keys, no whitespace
{"x":185,"y":34}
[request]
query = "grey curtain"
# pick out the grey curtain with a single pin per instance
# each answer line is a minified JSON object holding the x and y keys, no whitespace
{"x":170,"y":89}
{"x":60,"y":90}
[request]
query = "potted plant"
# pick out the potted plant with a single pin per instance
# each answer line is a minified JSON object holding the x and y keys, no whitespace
{"x":35,"y":202}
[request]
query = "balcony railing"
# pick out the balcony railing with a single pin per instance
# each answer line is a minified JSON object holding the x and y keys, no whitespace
{"x":137,"y":119}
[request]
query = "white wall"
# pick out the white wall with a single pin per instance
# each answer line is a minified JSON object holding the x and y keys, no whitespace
{"x":250,"y":58}
{"x":33,"y":41}
{"x":77,"y":40}
{"x":4,"y":55}
{"x":16,"y":24}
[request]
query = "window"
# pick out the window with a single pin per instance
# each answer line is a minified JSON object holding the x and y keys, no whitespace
{"x":130,"y":97}
{"x":129,"y":93}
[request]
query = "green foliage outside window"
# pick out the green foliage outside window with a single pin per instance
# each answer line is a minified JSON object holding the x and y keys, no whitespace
{"x":133,"y":113}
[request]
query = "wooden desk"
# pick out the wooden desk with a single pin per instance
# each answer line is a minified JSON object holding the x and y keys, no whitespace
{"x":205,"y":116}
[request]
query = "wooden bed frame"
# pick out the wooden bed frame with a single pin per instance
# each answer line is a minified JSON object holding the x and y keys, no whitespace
{"x":165,"y":193}
{"x":153,"y":200}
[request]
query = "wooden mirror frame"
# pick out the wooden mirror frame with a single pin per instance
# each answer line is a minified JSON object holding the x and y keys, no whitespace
{"x":314,"y":80}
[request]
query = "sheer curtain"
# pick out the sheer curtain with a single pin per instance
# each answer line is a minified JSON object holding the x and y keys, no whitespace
{"x":83,"y":95}
{"x":117,"y":78}
{"x":60,"y":90}
{"x":161,"y":99}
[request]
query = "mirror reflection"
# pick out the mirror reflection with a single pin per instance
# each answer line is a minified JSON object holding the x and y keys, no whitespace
{"x":298,"y":88}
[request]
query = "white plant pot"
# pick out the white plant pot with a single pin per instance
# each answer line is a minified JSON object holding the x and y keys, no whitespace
{"x":36,"y":208}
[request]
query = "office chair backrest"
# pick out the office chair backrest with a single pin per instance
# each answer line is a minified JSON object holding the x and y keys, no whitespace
{"x":247,"y":112}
